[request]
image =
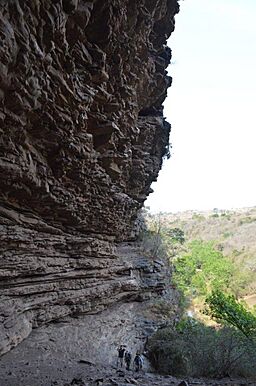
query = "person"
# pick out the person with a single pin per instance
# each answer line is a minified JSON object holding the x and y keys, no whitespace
{"x":127,"y":359}
{"x":120,"y":359}
{"x":138,"y":362}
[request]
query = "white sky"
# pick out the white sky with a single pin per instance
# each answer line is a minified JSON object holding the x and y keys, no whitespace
{"x":212,"y":108}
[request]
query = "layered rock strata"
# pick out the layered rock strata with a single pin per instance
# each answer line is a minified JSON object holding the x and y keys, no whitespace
{"x":58,"y":351}
{"x":82,"y":136}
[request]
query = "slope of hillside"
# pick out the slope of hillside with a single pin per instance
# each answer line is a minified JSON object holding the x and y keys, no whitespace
{"x":233,"y":231}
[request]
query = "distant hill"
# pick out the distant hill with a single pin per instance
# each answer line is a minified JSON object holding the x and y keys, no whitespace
{"x":234,"y":232}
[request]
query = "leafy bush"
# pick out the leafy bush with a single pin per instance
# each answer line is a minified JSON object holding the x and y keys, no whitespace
{"x":247,"y":220}
{"x":193,"y":349}
{"x":227,"y":235}
{"x":198,"y":217}
{"x":176,"y":235}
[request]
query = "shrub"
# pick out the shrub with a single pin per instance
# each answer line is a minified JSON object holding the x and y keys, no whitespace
{"x":193,"y":349}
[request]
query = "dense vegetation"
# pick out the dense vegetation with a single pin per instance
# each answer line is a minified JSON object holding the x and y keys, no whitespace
{"x":213,"y":262}
{"x":202,"y":268}
{"x":231,"y":232}
{"x":223,"y":243}
{"x":194,"y":349}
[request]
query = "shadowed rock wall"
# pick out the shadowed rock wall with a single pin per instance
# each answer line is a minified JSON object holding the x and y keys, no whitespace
{"x":82,"y":137}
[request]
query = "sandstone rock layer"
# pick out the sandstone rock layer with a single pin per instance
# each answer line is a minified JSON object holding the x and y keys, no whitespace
{"x":82,"y":136}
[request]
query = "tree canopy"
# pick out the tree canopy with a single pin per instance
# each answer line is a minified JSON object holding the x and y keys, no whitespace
{"x":224,"y":308}
{"x":202,"y":269}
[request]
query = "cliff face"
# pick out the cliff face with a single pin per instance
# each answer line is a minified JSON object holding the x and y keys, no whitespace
{"x":82,"y":138}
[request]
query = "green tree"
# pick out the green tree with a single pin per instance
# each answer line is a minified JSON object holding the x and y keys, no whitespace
{"x":202,"y":269}
{"x":224,"y":308}
{"x":176,"y":235}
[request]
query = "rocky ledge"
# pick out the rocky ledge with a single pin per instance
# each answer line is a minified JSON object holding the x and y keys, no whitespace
{"x":82,"y":136}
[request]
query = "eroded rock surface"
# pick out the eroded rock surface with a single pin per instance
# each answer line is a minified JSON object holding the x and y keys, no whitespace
{"x":82,"y":133}
{"x":82,"y":136}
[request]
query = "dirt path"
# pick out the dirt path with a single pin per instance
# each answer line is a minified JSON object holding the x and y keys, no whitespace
{"x":112,"y":377}
{"x":89,"y":374}
{"x":250,"y":300}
